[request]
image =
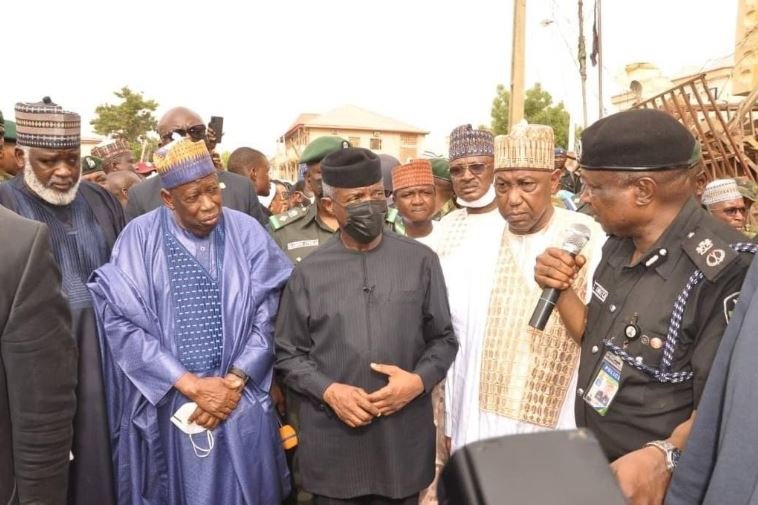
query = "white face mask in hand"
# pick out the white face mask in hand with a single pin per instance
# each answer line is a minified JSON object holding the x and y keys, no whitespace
{"x":181,"y":421}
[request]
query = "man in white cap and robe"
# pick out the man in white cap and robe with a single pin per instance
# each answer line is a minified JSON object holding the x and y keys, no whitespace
{"x":510,"y":378}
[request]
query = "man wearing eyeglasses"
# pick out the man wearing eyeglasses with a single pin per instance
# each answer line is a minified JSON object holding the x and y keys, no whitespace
{"x":238,"y":192}
{"x":724,"y":201}
{"x":470,"y":238}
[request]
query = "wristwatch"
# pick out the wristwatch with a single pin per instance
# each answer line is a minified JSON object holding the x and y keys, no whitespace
{"x":669,"y":450}
{"x":239,"y":373}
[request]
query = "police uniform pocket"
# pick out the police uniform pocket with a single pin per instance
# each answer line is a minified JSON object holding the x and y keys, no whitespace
{"x":649,"y":347}
{"x":645,"y":353}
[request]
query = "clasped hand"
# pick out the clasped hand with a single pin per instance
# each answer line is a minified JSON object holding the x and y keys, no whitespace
{"x":356,"y":408}
{"x":216,"y":397}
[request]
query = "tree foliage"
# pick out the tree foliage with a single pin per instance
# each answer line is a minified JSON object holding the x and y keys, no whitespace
{"x":131,"y":120}
{"x":538,"y":109}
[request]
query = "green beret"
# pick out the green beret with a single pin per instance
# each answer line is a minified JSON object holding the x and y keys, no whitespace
{"x":638,"y":140}
{"x":10,"y":130}
{"x":319,"y":148}
{"x":91,"y":164}
{"x":747,"y":188}
{"x":440,"y":168}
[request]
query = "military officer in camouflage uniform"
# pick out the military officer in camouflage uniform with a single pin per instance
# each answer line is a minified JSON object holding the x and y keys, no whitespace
{"x":300,"y":231}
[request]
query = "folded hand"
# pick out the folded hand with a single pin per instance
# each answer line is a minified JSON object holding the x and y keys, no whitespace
{"x":400,"y":390}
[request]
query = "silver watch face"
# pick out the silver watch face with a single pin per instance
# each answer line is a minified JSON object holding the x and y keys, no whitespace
{"x":672,"y":457}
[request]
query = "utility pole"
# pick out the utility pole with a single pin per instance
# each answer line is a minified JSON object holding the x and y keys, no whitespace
{"x":516,"y":105}
{"x":599,"y":21}
{"x":582,"y":56}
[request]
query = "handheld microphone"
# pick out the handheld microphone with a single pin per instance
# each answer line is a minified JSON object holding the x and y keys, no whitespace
{"x":575,"y":238}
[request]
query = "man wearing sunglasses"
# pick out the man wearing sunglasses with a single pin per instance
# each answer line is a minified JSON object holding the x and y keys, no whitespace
{"x":724,"y":201}
{"x":237,"y":192}
{"x":470,"y":236}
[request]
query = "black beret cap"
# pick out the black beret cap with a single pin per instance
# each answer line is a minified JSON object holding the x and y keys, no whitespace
{"x":354,"y":167}
{"x":639,"y":139}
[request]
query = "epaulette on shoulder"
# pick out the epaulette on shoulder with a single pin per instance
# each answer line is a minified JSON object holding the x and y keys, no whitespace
{"x":710,"y":253}
{"x":391,"y":214}
{"x":279,"y":221}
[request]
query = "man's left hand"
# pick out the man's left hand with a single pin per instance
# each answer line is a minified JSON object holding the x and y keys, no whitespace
{"x":400,"y":390}
{"x":204,"y":419}
{"x":643,"y":476}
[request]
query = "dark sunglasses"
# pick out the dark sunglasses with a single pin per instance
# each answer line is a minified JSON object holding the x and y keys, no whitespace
{"x":195,"y":133}
{"x":476,"y":169}
{"x":733,"y":211}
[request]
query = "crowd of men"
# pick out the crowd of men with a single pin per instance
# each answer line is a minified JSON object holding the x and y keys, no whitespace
{"x":165,"y":324}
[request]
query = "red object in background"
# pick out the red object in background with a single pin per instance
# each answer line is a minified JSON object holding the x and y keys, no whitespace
{"x":144,"y":168}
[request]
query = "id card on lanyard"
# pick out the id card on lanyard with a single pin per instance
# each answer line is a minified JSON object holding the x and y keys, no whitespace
{"x":605,"y":384}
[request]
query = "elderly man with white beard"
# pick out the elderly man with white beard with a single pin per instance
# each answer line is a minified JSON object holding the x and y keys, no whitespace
{"x":83,"y":221}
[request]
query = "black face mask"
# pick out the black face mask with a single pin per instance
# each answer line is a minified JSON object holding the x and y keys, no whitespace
{"x":365,"y":220}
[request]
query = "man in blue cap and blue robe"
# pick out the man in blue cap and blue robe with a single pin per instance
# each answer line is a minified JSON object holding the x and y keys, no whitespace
{"x":185,"y":310}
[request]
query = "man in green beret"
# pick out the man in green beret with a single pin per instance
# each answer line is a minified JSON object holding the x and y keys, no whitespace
{"x":92,"y":171}
{"x":393,"y":221}
{"x":300,"y":231}
{"x":444,"y":199}
{"x":8,"y":166}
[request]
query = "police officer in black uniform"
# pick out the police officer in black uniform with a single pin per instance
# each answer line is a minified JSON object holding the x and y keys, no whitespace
{"x":663,"y":292}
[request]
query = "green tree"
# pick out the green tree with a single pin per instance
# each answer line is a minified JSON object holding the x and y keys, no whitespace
{"x":500,"y":108}
{"x":538,"y":109}
{"x":131,"y":120}
{"x":225,"y":158}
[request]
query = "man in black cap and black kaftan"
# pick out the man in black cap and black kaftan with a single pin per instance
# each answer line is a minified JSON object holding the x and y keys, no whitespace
{"x":668,"y":280}
{"x":364,"y":335}
{"x":83,"y":220}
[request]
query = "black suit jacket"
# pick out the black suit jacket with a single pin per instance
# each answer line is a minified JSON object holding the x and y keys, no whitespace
{"x":37,"y":368}
{"x":238,"y":194}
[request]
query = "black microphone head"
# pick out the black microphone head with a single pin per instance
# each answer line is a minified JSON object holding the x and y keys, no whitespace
{"x":575,"y":238}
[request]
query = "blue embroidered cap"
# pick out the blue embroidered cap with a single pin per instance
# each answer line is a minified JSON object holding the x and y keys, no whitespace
{"x":465,"y":141}
{"x":182,"y":161}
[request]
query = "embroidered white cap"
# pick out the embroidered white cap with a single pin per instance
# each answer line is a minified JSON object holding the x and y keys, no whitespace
{"x":721,"y":190}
